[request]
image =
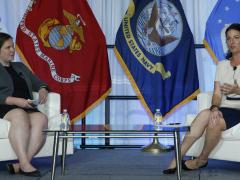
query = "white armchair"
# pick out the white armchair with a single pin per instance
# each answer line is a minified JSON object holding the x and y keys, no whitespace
{"x":52,"y":110}
{"x":229,"y":144}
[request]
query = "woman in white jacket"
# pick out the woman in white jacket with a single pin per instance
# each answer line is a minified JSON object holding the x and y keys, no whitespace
{"x":225,"y":110}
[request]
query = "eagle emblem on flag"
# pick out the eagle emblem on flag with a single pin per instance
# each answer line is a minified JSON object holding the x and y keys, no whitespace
{"x":59,"y":36}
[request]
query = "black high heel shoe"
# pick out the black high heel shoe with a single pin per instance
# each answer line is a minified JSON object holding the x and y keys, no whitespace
{"x":35,"y":173}
{"x":11,"y":169}
{"x":184,"y":166}
{"x":169,"y":171}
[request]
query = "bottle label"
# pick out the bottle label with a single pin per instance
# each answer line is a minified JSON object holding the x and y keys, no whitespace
{"x":63,"y":121}
{"x":158,"y":119}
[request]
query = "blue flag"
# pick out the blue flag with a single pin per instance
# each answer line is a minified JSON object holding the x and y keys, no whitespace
{"x":154,"y":45}
{"x":224,"y":13}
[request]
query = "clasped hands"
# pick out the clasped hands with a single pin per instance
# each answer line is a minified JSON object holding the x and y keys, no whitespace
{"x":215,"y":115}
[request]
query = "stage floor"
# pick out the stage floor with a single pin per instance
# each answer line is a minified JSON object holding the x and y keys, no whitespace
{"x":124,"y":164}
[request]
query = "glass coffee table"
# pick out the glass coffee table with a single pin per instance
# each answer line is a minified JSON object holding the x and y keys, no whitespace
{"x":116,"y":131}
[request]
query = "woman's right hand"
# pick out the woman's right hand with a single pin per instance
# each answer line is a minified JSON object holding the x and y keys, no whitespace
{"x":24,"y":103}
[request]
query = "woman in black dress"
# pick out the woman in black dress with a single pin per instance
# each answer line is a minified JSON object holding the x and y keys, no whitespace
{"x":16,"y":85}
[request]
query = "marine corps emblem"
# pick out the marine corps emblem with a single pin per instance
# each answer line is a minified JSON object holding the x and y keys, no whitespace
{"x":58,"y":36}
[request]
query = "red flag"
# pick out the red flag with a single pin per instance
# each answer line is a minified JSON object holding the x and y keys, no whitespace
{"x":63,"y":44}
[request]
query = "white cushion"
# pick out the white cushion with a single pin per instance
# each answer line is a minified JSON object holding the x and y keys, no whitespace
{"x":52,"y":106}
{"x":232,"y":133}
{"x":204,"y":100}
{"x":4,"y":128}
{"x":54,"y":122}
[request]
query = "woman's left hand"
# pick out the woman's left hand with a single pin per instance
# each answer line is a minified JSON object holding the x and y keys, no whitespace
{"x":42,"y":95}
{"x":229,"y":89}
{"x":215,"y":117}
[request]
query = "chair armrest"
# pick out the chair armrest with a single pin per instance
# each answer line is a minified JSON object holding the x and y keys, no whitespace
{"x":204,"y":100}
{"x":51,"y":108}
{"x":54,"y":122}
{"x":189,"y":119}
{"x":4,"y":128}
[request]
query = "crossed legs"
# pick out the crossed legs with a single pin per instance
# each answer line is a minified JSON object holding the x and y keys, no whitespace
{"x":26,"y":136}
{"x":212,"y":137}
{"x":213,"y":134}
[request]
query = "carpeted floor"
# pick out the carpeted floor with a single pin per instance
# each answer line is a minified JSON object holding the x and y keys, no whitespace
{"x":124,"y":164}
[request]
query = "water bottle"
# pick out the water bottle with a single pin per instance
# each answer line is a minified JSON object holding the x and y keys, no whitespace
{"x":65,"y":120}
{"x":158,"y":119}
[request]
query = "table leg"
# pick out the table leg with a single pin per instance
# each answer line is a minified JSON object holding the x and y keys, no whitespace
{"x":178,"y":153}
{"x":64,"y":149}
{"x":55,"y":152}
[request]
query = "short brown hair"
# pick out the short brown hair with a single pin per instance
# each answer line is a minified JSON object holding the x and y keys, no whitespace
{"x":234,"y":26}
{"x":4,"y":37}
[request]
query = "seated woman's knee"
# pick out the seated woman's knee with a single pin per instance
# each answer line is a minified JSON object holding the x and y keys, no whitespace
{"x":41,"y":119}
{"x":205,"y":112}
{"x":17,"y":116}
